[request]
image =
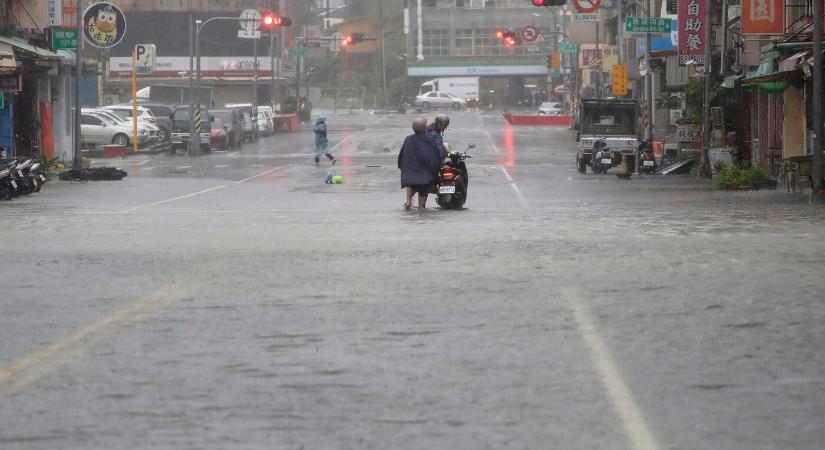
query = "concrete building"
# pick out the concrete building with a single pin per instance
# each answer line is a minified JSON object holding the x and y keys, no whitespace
{"x":458,"y":38}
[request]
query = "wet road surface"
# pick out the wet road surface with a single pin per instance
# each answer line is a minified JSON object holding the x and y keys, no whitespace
{"x":236,"y":301}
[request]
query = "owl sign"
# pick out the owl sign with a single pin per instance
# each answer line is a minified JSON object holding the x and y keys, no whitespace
{"x":104,"y":25}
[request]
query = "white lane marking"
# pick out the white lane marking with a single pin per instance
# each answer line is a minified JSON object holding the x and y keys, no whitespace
{"x":515,"y":187}
{"x":495,"y":147}
{"x":221,"y":166}
{"x":346,"y":139}
{"x":149,"y":168}
{"x":136,"y":208}
{"x":182,"y":167}
{"x":257,"y":165}
{"x":260,"y":174}
{"x":625,"y":406}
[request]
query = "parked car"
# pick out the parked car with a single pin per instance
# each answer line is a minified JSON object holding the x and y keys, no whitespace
{"x":101,"y":131}
{"x":246,"y":108}
{"x":125,"y":112}
{"x":264,"y":124}
{"x":438,"y":99}
{"x":182,"y":121}
{"x":163,"y":115}
{"x":269,"y":117}
{"x":218,"y":137}
{"x":152,"y":132}
{"x":550,"y":109}
{"x":233,"y":122}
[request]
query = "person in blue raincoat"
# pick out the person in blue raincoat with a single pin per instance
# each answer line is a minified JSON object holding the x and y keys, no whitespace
{"x":419,"y":163}
{"x":321,"y":141}
{"x":435,"y":131}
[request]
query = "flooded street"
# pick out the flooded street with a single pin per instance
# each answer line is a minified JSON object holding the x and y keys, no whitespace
{"x":235,"y":300}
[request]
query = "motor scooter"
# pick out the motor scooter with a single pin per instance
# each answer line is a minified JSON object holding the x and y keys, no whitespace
{"x":647,"y":161}
{"x":454,"y":180}
{"x":602,"y":158}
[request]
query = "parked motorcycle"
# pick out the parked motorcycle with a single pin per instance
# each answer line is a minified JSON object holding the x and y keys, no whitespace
{"x":454,"y":180}
{"x":647,"y":161}
{"x":602,"y":158}
{"x":7,"y":184}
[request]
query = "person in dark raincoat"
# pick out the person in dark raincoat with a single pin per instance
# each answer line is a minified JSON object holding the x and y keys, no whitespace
{"x":419,"y":164}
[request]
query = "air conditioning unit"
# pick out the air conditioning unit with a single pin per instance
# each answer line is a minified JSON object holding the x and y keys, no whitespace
{"x":111,"y":99}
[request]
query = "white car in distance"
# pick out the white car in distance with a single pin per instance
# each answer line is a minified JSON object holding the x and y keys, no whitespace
{"x":550,"y":109}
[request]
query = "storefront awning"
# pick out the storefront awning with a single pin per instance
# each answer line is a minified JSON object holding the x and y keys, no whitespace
{"x":766,"y":77}
{"x":22,"y":44}
{"x":7,"y":62}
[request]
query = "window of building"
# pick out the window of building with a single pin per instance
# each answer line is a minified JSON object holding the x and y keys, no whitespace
{"x":476,"y":43}
{"x":436,"y":43}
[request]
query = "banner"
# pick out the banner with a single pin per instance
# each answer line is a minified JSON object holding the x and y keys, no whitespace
{"x":763,"y":17}
{"x":692,"y":31}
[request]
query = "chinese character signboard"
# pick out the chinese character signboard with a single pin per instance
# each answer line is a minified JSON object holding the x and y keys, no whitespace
{"x":692,"y":31}
{"x":620,"y":79}
{"x":64,"y":38}
{"x":54,"y":8}
{"x":647,"y":25}
{"x":763,"y":16}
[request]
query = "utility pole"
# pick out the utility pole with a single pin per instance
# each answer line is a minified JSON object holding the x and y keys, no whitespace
{"x":194,"y":139}
{"x":255,"y":88}
{"x":383,"y":61}
{"x":648,"y":90}
{"x":278,"y":68}
{"x":78,"y":72}
{"x":816,"y":170}
{"x":272,"y":62}
{"x":704,"y":170}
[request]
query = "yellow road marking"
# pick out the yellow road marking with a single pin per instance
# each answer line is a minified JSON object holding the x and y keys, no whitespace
{"x":625,"y":406}
{"x":24,"y":372}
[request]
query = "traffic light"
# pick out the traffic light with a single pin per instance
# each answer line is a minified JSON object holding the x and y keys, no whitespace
{"x":549,"y":62}
{"x":549,"y":2}
{"x":509,"y":38}
{"x":353,"y":38}
{"x":270,"y":19}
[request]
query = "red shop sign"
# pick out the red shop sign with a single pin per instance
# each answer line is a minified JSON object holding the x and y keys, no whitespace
{"x":692,"y":31}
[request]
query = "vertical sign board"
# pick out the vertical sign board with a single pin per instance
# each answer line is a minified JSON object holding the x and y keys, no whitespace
{"x":692,"y":31}
{"x":555,"y":61}
{"x":620,"y":79}
{"x":55,"y":10}
{"x":763,"y":17}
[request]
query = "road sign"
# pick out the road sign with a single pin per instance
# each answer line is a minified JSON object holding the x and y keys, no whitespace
{"x":529,"y":33}
{"x":297,"y":52}
{"x":104,"y":25}
{"x":587,"y":6}
{"x":647,"y":25}
{"x":568,"y":48}
{"x":335,"y":43}
{"x":64,"y":38}
{"x":250,"y":20}
{"x":620,"y":79}
{"x":145,"y":59}
{"x":586,"y":17}
{"x":244,"y":34}
{"x":555,"y":60}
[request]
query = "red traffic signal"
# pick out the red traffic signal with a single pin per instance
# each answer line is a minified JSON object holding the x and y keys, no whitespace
{"x":353,"y":38}
{"x":508,"y":37}
{"x":549,"y":2}
{"x":346,"y":41}
{"x":273,"y":20}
